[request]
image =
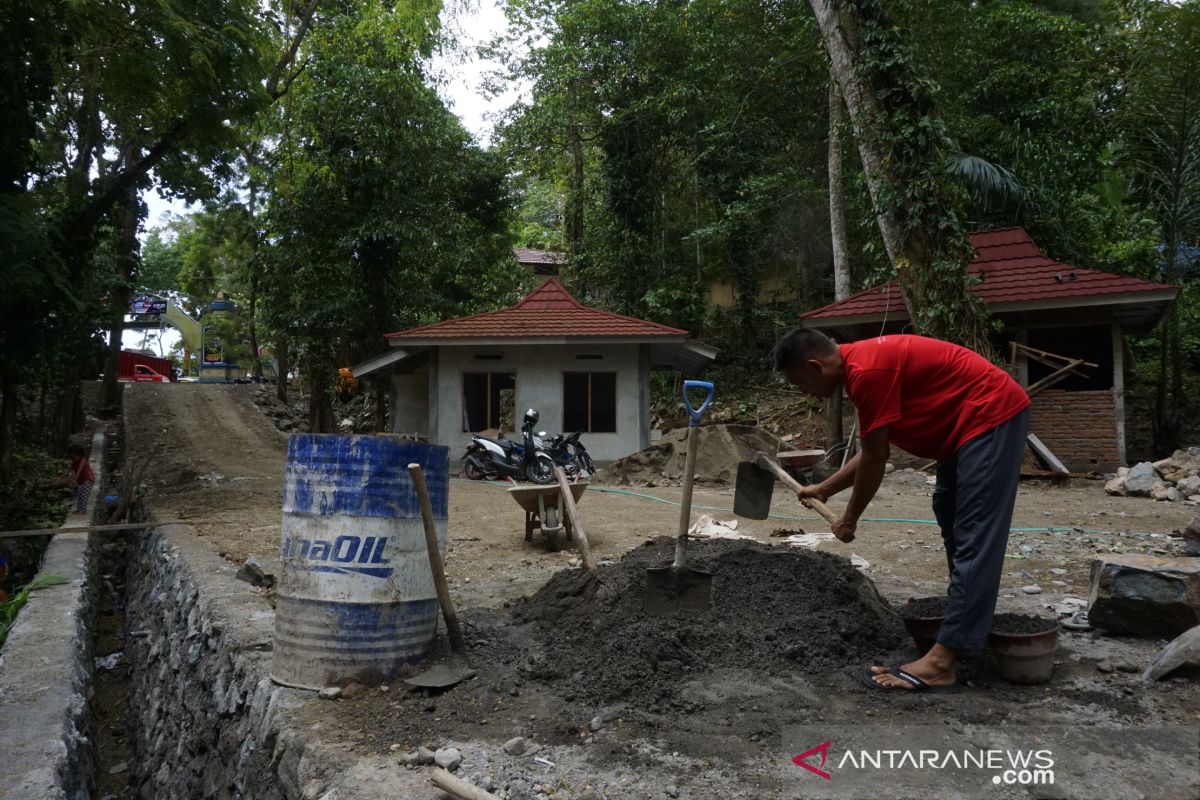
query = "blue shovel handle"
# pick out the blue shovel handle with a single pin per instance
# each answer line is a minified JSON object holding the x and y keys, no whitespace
{"x":695,"y":413}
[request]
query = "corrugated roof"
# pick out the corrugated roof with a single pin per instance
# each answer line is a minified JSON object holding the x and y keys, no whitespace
{"x":1012,"y":270}
{"x":548,"y":311}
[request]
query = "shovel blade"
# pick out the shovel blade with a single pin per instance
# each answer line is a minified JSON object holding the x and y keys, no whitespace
{"x":442,"y":675}
{"x":669,"y":590}
{"x":752,"y":495}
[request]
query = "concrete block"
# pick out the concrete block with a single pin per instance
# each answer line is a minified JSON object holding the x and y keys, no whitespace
{"x":1143,"y":595}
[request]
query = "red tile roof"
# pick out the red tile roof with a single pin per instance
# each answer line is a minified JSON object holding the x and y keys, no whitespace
{"x":548,"y":311}
{"x":527,"y":256}
{"x":1012,"y":270}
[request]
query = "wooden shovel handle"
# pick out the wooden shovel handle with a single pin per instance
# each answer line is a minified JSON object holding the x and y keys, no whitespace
{"x":457,"y":643}
{"x":764,"y":462}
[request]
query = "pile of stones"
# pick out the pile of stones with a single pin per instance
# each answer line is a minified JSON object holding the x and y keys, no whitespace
{"x":1173,"y":479}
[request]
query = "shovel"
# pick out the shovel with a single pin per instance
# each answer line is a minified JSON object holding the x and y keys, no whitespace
{"x":756,"y":484}
{"x":677,"y":588}
{"x":456,"y":669}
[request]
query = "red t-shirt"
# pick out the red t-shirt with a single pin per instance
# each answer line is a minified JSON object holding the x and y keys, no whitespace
{"x":936,"y":396}
{"x":83,"y":471}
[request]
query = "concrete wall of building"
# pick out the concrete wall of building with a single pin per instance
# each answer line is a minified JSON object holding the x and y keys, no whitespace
{"x":1079,"y":427}
{"x":538,"y":370}
{"x":410,"y":402}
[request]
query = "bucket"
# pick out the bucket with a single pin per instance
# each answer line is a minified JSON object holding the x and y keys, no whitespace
{"x":1025,"y":658}
{"x":356,"y":599}
{"x":923,"y":619}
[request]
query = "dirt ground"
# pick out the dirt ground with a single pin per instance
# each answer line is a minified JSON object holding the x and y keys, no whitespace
{"x":218,"y":463}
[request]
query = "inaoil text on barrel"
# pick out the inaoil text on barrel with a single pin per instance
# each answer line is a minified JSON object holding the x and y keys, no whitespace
{"x":356,"y":599}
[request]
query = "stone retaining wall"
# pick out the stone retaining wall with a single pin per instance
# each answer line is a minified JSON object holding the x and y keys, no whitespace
{"x":206,"y":714}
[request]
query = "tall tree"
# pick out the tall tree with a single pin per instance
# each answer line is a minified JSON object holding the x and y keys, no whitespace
{"x":903,"y":146}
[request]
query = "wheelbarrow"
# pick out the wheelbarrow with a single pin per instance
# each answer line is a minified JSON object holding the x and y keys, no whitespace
{"x":544,"y":510}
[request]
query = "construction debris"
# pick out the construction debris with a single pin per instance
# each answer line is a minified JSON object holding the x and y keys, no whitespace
{"x":1144,"y":595}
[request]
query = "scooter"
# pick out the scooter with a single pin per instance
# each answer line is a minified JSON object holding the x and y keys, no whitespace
{"x":500,"y":458}
{"x":570,"y":454}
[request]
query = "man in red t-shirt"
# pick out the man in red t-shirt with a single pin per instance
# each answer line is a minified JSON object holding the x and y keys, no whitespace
{"x":935,"y":400}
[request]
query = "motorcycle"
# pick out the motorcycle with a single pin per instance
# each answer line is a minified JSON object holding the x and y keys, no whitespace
{"x":501,"y":458}
{"x":569,"y":453}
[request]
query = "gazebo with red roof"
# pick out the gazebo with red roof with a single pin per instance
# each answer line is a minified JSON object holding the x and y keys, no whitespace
{"x":582,"y":369}
{"x":1045,"y":304}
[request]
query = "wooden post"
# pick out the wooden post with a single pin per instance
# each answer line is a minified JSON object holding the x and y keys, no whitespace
{"x":457,"y":643}
{"x":458,"y":787}
{"x":568,"y":502}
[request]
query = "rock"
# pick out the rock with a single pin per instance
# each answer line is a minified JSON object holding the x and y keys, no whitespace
{"x":330,"y":693}
{"x":1125,"y":665}
{"x":515,"y":746}
{"x":119,"y":768}
{"x":1031,"y":589}
{"x":425,"y":756}
{"x":1116,"y":487}
{"x":412,"y":759}
{"x":1144,"y":595}
{"x":1189,"y":485}
{"x":352,"y":690}
{"x":1161,"y":491}
{"x":1191,"y":537}
{"x":1057,"y":571}
{"x":448,"y":758}
{"x":596,"y":724}
{"x":1183,"y":650}
{"x":672,"y":791}
{"x":1140,"y":480}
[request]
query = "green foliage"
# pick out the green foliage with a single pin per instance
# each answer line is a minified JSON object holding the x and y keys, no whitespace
{"x":10,"y":608}
{"x":382,"y":214}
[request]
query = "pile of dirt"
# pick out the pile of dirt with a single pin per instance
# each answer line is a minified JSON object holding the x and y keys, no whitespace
{"x":1022,"y":624}
{"x":774,"y":611}
{"x":719,"y":449}
{"x":924,"y":608}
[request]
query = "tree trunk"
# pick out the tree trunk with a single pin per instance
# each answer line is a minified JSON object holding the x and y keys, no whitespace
{"x":840,"y":248}
{"x":575,"y":228}
{"x":281,"y":369}
{"x":8,"y":421}
{"x":320,"y":410}
{"x":837,"y":197}
{"x":126,"y":266}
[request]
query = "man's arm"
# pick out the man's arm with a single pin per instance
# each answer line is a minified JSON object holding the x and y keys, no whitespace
{"x":868,"y":474}
{"x":839,"y":481}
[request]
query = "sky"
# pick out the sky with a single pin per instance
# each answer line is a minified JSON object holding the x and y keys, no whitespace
{"x":460,"y":88}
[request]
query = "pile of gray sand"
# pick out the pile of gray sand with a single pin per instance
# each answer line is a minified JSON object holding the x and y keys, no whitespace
{"x":719,"y":449}
{"x":777,"y":611}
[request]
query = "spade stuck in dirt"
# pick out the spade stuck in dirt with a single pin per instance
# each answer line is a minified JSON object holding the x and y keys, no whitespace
{"x":678,"y":587}
{"x":456,"y":669}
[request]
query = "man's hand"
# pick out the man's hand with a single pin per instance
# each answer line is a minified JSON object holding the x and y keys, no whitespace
{"x":805,"y":492}
{"x":844,"y":529}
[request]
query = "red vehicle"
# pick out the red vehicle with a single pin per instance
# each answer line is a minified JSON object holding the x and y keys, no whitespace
{"x":142,"y":368}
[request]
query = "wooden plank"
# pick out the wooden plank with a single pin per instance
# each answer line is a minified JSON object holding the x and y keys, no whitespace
{"x":124,"y":526}
{"x":1047,"y":455}
{"x":568,"y":502}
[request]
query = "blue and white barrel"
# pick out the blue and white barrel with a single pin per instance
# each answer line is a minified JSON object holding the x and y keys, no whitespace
{"x":356,"y":599}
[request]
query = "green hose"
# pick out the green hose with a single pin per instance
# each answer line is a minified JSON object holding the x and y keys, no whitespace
{"x":934,"y":522}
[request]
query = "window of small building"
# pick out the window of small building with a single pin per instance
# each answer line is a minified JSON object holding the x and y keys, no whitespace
{"x":590,"y":402}
{"x":488,"y":400}
{"x":1091,"y":343}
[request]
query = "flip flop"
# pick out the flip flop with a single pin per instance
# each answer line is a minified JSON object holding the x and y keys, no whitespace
{"x":919,"y":686}
{"x":1076,"y":622}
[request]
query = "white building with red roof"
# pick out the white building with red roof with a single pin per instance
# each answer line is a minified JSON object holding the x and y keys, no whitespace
{"x":582,"y":369}
{"x":1050,"y":306}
